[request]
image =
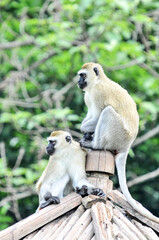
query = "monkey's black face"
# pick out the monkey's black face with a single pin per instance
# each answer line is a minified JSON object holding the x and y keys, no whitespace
{"x":50,"y":149}
{"x":82,"y":80}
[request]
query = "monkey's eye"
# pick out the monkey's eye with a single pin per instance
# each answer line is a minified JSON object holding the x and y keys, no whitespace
{"x":68,"y":139}
{"x":53,"y":142}
{"x":96,"y":71}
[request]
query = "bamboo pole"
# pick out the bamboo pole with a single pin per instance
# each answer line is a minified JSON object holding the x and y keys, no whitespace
{"x":90,"y":200}
{"x":129,"y":224}
{"x":55,"y":234}
{"x":119,"y":199}
{"x":88,"y":233}
{"x":75,"y":217}
{"x":99,"y":166}
{"x":43,"y":232}
{"x":80,"y":226}
{"x":101,"y":222}
{"x":40,"y":218}
{"x":146,"y":231}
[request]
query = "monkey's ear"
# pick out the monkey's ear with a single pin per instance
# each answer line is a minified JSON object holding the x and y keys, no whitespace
{"x":96,"y":71}
{"x":68,"y":139}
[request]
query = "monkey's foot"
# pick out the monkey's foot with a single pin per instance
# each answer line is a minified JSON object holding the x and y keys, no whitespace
{"x":88,"y":136}
{"x":85,"y":144}
{"x":98,"y":192}
{"x":83,"y":191}
{"x":49,"y":199}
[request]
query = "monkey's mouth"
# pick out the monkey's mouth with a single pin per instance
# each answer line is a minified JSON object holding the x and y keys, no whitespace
{"x":50,"y":151}
{"x":82,"y":85}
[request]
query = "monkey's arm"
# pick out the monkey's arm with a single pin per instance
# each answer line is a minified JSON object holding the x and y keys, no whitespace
{"x":81,"y":184}
{"x":52,"y":183}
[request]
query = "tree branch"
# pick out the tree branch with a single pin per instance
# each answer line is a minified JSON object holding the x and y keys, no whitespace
{"x":39,"y":62}
{"x":45,"y":58}
{"x":143,"y":178}
{"x":19,"y":158}
{"x":19,"y":102}
{"x":133,"y":63}
{"x":146,"y":136}
{"x":149,"y":69}
{"x":123,"y":66}
{"x":16,"y":197}
{"x":15,"y":44}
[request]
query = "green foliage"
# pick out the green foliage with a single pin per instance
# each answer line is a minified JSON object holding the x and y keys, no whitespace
{"x":42,"y":46}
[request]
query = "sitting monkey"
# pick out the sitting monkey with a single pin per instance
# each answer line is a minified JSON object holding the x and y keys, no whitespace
{"x":65,"y":171}
{"x":111,"y":122}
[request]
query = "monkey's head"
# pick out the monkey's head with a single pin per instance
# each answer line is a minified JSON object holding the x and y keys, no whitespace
{"x":89,"y":75}
{"x":57,"y":141}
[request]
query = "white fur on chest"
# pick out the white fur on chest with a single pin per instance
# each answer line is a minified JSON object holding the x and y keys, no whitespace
{"x":92,"y":108}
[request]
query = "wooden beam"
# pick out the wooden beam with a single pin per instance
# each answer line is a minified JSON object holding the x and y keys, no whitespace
{"x":100,"y":161}
{"x":99,"y":166}
{"x":119,"y":199}
{"x":43,"y":232}
{"x":118,"y":234}
{"x":88,"y":233}
{"x":55,"y":225}
{"x":99,"y":181}
{"x":40,"y":218}
{"x":60,"y":228}
{"x":132,"y":228}
{"x":146,"y":231}
{"x":101,"y":222}
{"x":75,"y":217}
{"x":80,"y":226}
{"x":92,"y":199}
{"x":31,"y":235}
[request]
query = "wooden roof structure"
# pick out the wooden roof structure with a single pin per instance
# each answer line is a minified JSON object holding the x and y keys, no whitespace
{"x":90,"y":218}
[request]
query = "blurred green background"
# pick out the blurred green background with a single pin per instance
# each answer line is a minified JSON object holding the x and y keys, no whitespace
{"x":42,"y":46}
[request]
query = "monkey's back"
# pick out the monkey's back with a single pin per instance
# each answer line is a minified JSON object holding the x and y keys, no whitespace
{"x":117,"y":97}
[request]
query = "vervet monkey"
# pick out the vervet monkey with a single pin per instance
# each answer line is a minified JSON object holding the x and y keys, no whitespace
{"x":111,"y":122}
{"x":65,"y":171}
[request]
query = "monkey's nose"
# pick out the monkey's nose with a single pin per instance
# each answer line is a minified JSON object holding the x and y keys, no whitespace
{"x":50,"y":151}
{"x":82,"y":84}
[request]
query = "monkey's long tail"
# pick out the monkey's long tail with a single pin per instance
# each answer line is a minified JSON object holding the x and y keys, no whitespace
{"x":120,"y":162}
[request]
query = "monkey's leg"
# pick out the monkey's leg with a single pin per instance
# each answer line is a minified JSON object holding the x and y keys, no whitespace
{"x":89,"y":125}
{"x":51,"y":193}
{"x":110,"y":132}
{"x":58,"y":187}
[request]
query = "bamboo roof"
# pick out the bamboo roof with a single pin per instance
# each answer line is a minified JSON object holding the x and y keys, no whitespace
{"x":90,"y":218}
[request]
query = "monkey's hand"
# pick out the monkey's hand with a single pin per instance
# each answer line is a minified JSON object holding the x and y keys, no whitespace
{"x":49,"y":199}
{"x":84,"y":191}
{"x":98,"y":192}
